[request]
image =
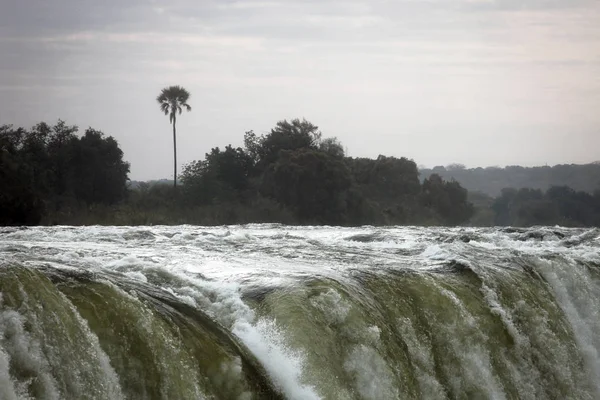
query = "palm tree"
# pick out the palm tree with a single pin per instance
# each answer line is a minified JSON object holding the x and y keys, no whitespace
{"x":172,"y":100}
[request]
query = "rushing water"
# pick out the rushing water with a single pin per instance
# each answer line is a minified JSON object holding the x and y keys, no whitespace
{"x":277,"y":312}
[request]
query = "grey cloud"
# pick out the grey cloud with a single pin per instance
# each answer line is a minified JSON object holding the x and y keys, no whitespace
{"x":295,"y":21}
{"x":384,"y":76}
{"x":39,"y":17}
{"x":517,"y":5}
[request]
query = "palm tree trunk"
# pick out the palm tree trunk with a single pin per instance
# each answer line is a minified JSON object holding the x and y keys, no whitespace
{"x":174,"y":155}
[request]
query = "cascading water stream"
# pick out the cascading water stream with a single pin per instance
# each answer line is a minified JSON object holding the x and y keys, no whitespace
{"x":280,"y":312}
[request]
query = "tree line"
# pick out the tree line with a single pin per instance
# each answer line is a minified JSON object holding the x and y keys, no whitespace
{"x":54,"y":174}
{"x":559,"y":205}
{"x":48,"y":172}
{"x":51,"y":174}
{"x":492,"y":180}
{"x":297,"y":171}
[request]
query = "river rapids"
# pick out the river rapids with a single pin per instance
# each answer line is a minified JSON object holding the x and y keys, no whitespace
{"x":283,"y":312}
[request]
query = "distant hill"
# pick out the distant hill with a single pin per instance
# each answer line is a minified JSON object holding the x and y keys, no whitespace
{"x":492,"y":180}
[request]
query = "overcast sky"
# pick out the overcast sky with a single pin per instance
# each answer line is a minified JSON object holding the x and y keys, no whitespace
{"x":479,"y":82}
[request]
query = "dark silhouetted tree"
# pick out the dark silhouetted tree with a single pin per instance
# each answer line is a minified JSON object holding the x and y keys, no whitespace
{"x":447,"y":199}
{"x":173,"y":100}
{"x":49,"y":169}
{"x":392,"y":184}
{"x":286,"y":135}
{"x":312,"y":183}
{"x":222,"y":176}
{"x":20,"y":204}
{"x":99,"y":172}
{"x":332,"y":146}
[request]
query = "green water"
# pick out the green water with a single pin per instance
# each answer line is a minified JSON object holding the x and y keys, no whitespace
{"x":489,"y":322}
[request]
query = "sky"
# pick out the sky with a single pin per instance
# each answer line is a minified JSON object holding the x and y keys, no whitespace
{"x":477,"y":82}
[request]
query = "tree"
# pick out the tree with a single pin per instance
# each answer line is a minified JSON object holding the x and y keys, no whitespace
{"x":391,"y":184}
{"x":173,"y":100}
{"x":456,"y":167}
{"x":50,"y":170}
{"x":99,"y":174}
{"x":60,"y":144}
{"x":492,"y":180}
{"x":222,"y":177}
{"x":20,"y":204}
{"x":312,"y":183}
{"x":333,"y":147}
{"x":448,"y":200}
{"x":286,"y":135}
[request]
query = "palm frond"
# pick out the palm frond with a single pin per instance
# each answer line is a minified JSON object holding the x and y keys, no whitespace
{"x":162,"y":97}
{"x":164,"y":107}
{"x":173,"y":99}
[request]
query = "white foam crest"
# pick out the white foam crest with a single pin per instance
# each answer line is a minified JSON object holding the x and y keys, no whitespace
{"x":108,"y":381}
{"x":419,"y":349}
{"x":220,"y":300}
{"x":284,"y":365}
{"x":468,"y":318}
{"x":373,"y":378}
{"x":25,"y":351}
{"x":526,"y":384}
{"x":578,"y":295}
{"x":477,"y":368}
{"x":168,"y":346}
{"x":290,"y":250}
{"x":230,"y":259}
{"x":475,"y":364}
{"x":496,"y":308}
{"x":333,"y":306}
{"x":32,"y":351}
{"x":136,"y":275}
{"x":7,"y":387}
{"x":536,"y":348}
{"x":437,"y":252}
{"x":262,"y":337}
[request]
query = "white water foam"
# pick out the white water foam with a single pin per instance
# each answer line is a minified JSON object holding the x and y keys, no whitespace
{"x":373,"y":378}
{"x":474,"y":358}
{"x":579,"y":297}
{"x":21,"y":349}
{"x":263,"y":337}
{"x":419,"y":349}
{"x":233,"y":258}
{"x":7,"y":387}
{"x":266,"y":341}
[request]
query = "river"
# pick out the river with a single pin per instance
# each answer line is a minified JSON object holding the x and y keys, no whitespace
{"x":282,"y":312}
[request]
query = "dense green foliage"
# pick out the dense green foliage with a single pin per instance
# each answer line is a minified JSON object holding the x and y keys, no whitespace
{"x":308,"y":177}
{"x":293,"y":175}
{"x":49,"y":171}
{"x":492,"y":180}
{"x":559,"y":205}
